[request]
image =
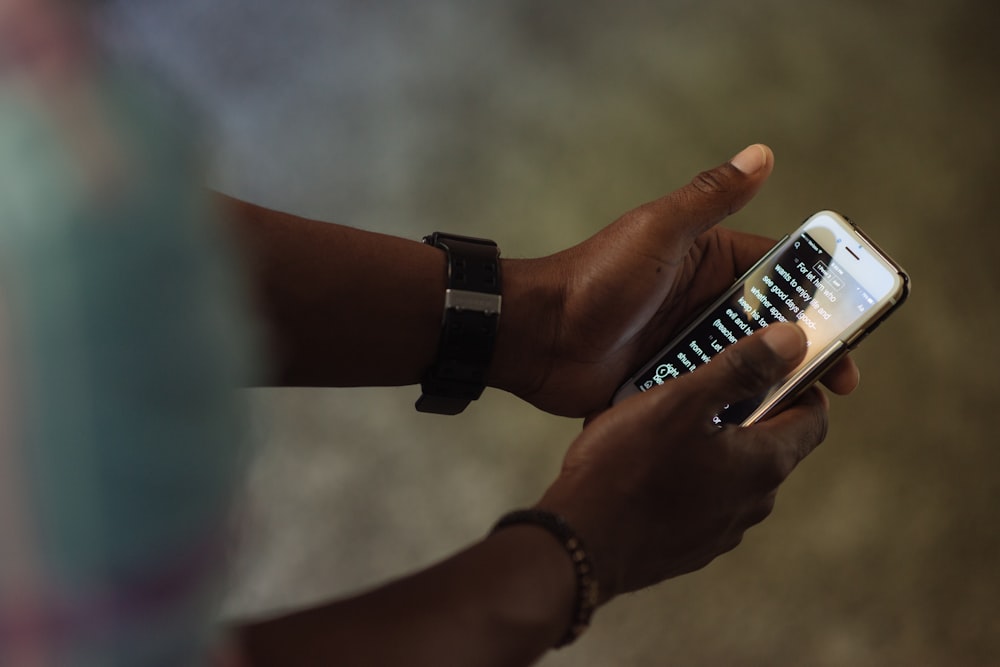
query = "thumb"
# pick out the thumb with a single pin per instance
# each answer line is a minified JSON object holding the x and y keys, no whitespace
{"x":747,"y":369}
{"x":714,"y":194}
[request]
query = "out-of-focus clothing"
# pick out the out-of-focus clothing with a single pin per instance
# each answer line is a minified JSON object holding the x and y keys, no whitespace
{"x":123,"y":338}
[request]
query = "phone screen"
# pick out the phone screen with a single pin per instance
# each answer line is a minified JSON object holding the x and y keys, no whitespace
{"x":821,"y":278}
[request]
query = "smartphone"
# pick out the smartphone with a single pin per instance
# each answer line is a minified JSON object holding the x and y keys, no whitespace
{"x":828,"y":277}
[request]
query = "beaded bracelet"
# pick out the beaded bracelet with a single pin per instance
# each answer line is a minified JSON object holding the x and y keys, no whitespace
{"x":585,"y":600}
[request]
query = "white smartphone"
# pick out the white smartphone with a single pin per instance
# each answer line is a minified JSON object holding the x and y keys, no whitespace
{"x":828,"y":277}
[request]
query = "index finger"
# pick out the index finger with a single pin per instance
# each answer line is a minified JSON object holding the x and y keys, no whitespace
{"x":843,"y":377}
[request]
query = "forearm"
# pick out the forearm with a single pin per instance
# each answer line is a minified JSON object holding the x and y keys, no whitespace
{"x":503,"y":601}
{"x":341,"y":306}
{"x":345,"y":307}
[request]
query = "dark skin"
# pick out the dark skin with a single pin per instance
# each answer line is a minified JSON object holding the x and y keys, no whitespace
{"x":574,"y":324}
{"x":652,"y":486}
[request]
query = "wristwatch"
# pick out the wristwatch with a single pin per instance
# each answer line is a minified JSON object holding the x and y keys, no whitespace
{"x":468,"y":326}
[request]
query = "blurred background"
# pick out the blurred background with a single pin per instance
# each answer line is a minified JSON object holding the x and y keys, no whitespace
{"x":536,"y":124}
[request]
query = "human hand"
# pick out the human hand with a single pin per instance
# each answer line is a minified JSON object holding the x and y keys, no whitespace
{"x":577,"y":323}
{"x":656,"y":490}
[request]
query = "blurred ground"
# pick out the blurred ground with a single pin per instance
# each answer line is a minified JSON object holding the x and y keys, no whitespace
{"x":537,"y":123}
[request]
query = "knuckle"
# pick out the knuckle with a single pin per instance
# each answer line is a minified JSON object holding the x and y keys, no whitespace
{"x":771,"y":455}
{"x":761,"y":510}
{"x":786,"y":462}
{"x":817,"y":421}
{"x":821,"y":426}
{"x":775,"y":471}
{"x":733,"y":542}
{"x":784,"y":459}
{"x":710,"y":182}
{"x":643,"y":219}
{"x":770,"y":465}
{"x":635,"y":223}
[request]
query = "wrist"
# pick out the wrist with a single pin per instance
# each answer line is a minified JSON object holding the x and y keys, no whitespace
{"x":469,"y":326}
{"x":503,"y":601}
{"x":522,"y":358}
{"x":595,"y":530}
{"x":586,"y":594}
{"x":538,"y":599}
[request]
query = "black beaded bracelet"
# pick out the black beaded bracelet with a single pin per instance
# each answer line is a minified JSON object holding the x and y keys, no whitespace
{"x":585,"y":601}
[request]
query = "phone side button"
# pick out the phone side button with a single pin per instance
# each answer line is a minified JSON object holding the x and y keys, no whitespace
{"x":861,"y":335}
{"x":857,"y":340}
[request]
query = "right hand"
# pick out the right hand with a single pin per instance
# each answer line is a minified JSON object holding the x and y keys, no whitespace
{"x":656,"y":490}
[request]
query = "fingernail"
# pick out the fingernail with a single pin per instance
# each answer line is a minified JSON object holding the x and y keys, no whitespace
{"x":785,"y":340}
{"x":751,"y":159}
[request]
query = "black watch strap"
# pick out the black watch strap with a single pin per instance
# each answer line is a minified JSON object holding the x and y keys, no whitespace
{"x":468,"y":326}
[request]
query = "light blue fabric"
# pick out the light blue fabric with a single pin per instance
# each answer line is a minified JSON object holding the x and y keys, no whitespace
{"x":126,"y":323}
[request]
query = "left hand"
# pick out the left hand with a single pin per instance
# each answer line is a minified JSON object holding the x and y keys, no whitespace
{"x":577,"y":323}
